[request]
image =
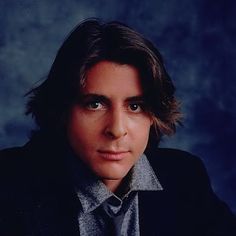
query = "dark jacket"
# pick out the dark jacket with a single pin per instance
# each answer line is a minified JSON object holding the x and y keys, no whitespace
{"x":37,"y":197}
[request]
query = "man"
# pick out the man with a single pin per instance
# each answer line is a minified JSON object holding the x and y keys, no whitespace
{"x":93,"y":167}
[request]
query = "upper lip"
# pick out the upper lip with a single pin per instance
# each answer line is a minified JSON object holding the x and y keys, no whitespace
{"x":113,"y":151}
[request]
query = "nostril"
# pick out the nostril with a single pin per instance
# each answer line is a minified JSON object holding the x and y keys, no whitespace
{"x":110,"y":134}
{"x":115,"y":133}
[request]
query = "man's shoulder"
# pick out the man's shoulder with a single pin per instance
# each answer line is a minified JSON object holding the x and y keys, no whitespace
{"x":176,"y":167}
{"x":11,"y":156}
{"x":166,"y":156}
{"x":11,"y":152}
{"x":17,"y":164}
{"x":20,"y":155}
{"x":13,"y":163}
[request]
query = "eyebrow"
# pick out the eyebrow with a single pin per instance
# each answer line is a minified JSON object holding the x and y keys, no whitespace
{"x":135,"y":99}
{"x":105,"y":99}
{"x":95,"y":96}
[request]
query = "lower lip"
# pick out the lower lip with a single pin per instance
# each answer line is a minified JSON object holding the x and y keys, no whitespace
{"x":113,"y":156}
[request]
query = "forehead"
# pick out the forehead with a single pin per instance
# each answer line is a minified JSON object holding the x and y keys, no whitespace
{"x":111,"y":78}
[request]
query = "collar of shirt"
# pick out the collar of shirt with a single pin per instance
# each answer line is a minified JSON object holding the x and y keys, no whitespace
{"x":92,"y":192}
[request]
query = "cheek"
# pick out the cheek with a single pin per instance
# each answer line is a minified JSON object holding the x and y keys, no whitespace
{"x":79,"y":124}
{"x":140,"y":133}
{"x":76,"y":128}
{"x":142,"y":126}
{"x":79,"y":139}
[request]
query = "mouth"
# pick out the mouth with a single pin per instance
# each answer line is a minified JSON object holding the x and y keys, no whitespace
{"x":113,"y":155}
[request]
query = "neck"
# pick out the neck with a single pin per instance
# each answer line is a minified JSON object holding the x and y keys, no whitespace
{"x":112,"y":185}
{"x":118,"y":187}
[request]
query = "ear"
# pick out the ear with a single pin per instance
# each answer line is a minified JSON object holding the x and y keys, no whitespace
{"x":151,"y":120}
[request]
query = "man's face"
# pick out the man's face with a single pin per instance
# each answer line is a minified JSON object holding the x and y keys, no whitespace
{"x":108,"y":129}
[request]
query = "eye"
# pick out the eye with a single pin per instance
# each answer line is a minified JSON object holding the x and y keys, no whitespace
{"x":136,"y":107}
{"x":94,"y":105}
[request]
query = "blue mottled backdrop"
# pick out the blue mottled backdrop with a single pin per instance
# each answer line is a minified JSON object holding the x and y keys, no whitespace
{"x":196,"y":38}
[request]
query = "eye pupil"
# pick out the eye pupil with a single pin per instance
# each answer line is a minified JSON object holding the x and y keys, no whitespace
{"x":134,"y":107}
{"x":94,"y":105}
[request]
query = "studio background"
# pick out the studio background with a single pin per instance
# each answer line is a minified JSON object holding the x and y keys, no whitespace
{"x":195,"y":37}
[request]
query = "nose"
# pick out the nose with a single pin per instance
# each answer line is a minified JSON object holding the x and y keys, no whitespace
{"x":116,"y":127}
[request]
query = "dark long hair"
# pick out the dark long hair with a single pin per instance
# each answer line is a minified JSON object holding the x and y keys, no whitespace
{"x":90,"y":42}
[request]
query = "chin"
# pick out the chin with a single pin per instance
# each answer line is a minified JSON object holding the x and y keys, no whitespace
{"x":112,"y":174}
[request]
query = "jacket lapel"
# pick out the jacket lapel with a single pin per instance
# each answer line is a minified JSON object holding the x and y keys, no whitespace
{"x":156,"y":214}
{"x":57,"y":213}
{"x":148,"y":213}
